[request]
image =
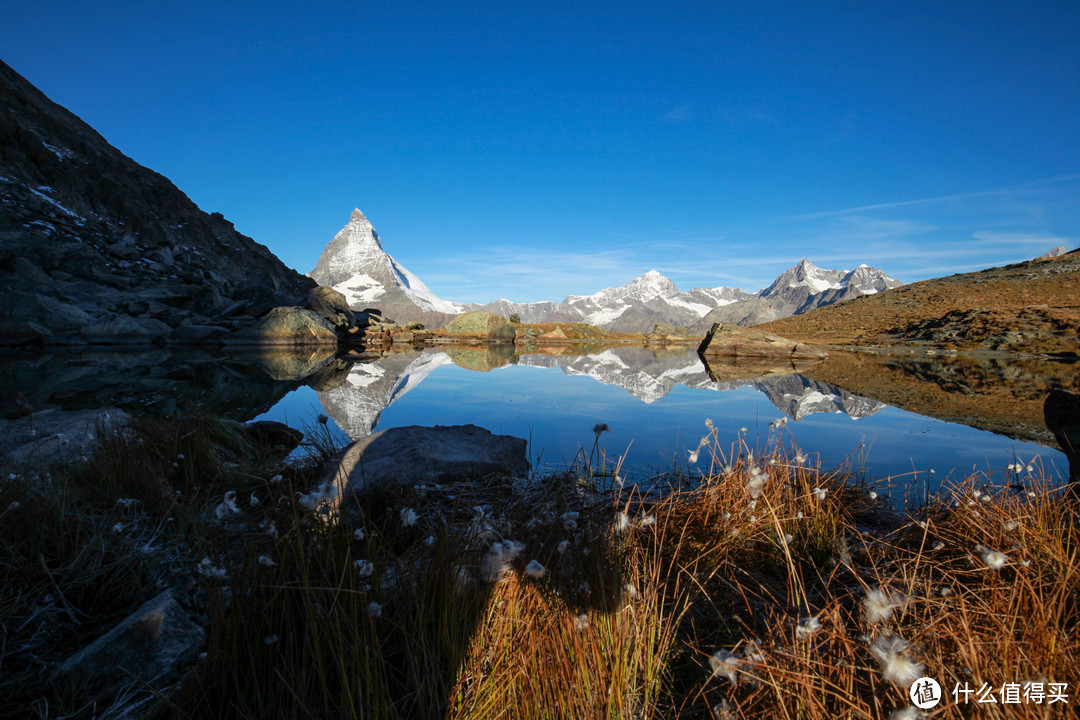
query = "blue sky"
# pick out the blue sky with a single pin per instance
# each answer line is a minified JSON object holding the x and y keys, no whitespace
{"x":531,"y":150}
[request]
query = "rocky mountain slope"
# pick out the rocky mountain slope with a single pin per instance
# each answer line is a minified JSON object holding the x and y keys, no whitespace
{"x":355,"y":264}
{"x":799,"y":289}
{"x":96,"y":248}
{"x":1031,"y":307}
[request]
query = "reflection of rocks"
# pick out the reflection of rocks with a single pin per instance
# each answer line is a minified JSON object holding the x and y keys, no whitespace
{"x":160,"y":380}
{"x":418,"y":455}
{"x":371,"y":387}
{"x":730,"y":369}
{"x":294,"y":363}
{"x":481,"y":359}
{"x":1004,"y":397}
{"x":1062,"y":413}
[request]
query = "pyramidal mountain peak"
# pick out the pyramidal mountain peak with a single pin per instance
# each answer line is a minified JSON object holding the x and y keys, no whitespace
{"x":355,"y":264}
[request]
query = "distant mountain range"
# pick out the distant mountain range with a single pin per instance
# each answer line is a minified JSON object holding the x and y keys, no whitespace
{"x":355,"y":263}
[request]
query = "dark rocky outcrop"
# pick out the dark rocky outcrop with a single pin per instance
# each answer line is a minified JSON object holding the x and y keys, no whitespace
{"x":95,"y":248}
{"x":417,"y":455}
{"x":1061,"y":411}
{"x":743,"y":342}
{"x":146,"y":648}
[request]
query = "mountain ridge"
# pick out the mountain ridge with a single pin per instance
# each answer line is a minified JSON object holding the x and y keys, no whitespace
{"x":355,"y":264}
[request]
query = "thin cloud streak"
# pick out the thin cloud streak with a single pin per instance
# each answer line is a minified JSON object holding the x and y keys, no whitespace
{"x":1024,"y":187}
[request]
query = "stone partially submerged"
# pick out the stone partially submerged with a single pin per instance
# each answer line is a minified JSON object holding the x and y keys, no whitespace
{"x":418,"y":455}
{"x":747,"y":342}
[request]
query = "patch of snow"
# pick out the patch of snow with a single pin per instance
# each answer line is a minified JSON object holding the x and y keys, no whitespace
{"x":696,"y":308}
{"x":52,"y":202}
{"x":62,"y":153}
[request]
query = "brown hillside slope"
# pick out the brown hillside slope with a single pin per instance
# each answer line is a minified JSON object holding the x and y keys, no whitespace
{"x":1030,"y":307}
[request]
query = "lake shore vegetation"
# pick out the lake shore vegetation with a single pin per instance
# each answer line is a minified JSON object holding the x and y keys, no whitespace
{"x":757,"y":584}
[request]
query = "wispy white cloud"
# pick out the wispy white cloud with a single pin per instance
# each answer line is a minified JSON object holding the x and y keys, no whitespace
{"x":679,"y":115}
{"x":1022,"y":238}
{"x":1027,"y":187}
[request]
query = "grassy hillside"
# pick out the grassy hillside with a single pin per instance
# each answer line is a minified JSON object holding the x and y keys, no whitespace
{"x":1031,"y":307}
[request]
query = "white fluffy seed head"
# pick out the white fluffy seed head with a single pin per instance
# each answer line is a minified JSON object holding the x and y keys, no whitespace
{"x":879,"y":605}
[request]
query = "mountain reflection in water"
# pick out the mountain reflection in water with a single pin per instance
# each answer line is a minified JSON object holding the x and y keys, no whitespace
{"x":656,"y":402}
{"x":895,"y":416}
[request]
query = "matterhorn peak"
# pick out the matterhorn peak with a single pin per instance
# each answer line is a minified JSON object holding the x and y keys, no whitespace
{"x":355,"y":264}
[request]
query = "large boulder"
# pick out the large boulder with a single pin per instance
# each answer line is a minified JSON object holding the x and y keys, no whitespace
{"x":748,"y":342}
{"x":417,"y":455}
{"x":482,"y":325}
{"x":147,"y":647}
{"x":288,"y":326}
{"x":1061,"y":410}
{"x":331,"y":305}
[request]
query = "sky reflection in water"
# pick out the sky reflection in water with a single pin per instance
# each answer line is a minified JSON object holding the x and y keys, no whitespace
{"x":556,"y":412}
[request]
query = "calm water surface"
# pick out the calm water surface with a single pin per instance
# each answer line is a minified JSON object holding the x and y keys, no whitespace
{"x":656,"y":408}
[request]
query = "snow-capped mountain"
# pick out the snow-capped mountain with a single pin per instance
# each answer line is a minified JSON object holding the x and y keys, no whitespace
{"x":642,"y":303}
{"x":355,"y":264}
{"x":798,"y":289}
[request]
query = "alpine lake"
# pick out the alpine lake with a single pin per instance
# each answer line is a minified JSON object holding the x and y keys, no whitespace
{"x":906,"y":423}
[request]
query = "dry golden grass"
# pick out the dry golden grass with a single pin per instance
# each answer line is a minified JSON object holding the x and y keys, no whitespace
{"x":768,"y":588}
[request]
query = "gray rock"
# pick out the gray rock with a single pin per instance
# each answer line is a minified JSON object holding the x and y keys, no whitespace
{"x":737,"y":341}
{"x":330,"y":304}
{"x":482,"y":325}
{"x":288,"y":326}
{"x":424,"y":455}
{"x":124,"y":329}
{"x":147,"y":647}
{"x":55,"y":436}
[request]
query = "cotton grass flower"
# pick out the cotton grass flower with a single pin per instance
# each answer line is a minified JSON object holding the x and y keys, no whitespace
{"x":581,"y":622}
{"x":408,"y":517}
{"x":909,"y":713}
{"x":364,"y":568}
{"x":896,"y":667}
{"x":563,"y":546}
{"x":358,"y":534}
{"x":622,"y":522}
{"x":993,"y":559}
{"x":270,"y":639}
{"x":499,"y":558}
{"x":599,"y":428}
{"x":725,"y":664}
{"x":327,"y":492}
{"x":374,"y":609}
{"x":879,"y":605}
{"x":820,"y":493}
{"x":535,"y":570}
{"x":227,"y":506}
{"x":807,"y":627}
{"x":266,"y":561}
{"x":207,"y":569}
